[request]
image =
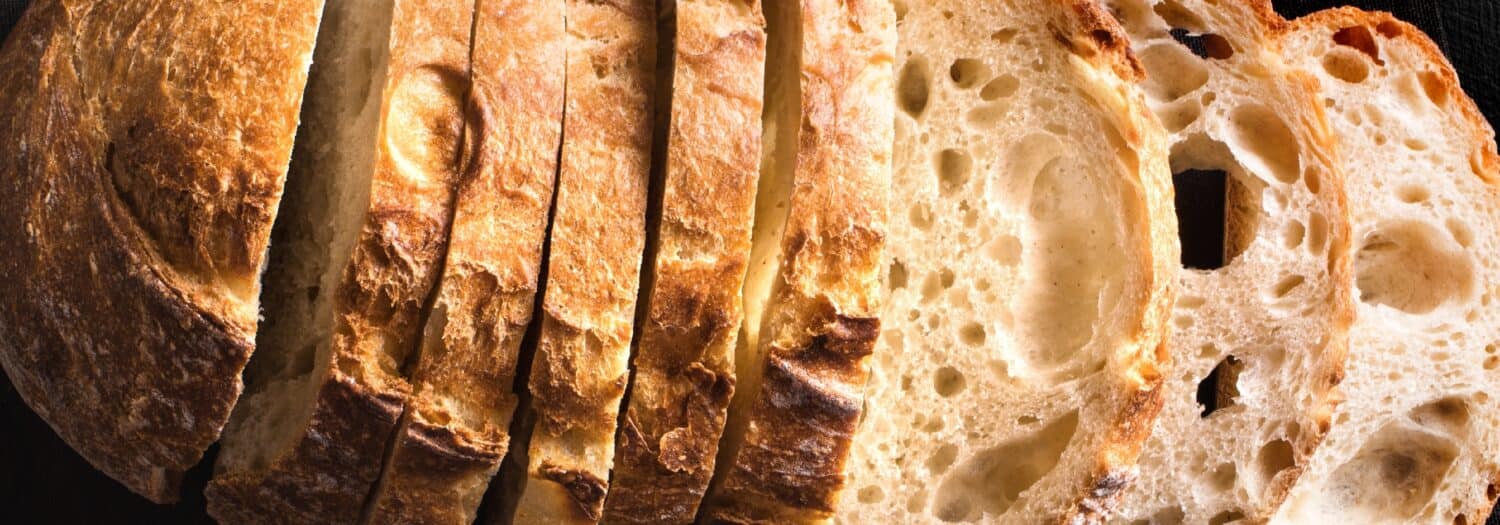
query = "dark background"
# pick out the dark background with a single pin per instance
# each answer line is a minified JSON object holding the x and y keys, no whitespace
{"x":43,"y":481}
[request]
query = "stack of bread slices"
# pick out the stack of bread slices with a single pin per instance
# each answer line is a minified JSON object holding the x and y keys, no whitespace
{"x":744,"y":261}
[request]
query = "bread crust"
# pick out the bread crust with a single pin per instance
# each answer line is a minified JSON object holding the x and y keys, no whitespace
{"x":683,"y":370}
{"x":327,"y":473}
{"x":456,"y":428}
{"x":581,"y":365}
{"x":824,"y":313}
{"x":141,"y":178}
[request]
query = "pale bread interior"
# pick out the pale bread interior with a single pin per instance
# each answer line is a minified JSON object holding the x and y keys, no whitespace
{"x":1414,"y":440}
{"x":1262,"y":335}
{"x":1018,"y":273}
{"x":327,"y":196}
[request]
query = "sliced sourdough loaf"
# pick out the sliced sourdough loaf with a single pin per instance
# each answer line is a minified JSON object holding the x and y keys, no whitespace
{"x":357,"y":255}
{"x":1258,"y":336}
{"x":581,"y":365}
{"x":1416,"y":437}
{"x":820,"y":232}
{"x":1031,"y":252}
{"x":456,"y":429}
{"x":683,"y":373}
{"x":145,"y":146}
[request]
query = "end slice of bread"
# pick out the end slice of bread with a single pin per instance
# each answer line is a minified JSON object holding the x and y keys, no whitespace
{"x":581,"y":366}
{"x":683,"y":370}
{"x":1415,"y":439}
{"x":356,"y":260}
{"x":144,"y":154}
{"x":455,"y":431}
{"x":1031,"y":255}
{"x":800,"y":383}
{"x":1258,"y":337}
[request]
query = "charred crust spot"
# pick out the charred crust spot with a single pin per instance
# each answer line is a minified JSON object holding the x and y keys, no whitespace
{"x":1110,"y":484}
{"x":586,"y":489}
{"x":689,"y":447}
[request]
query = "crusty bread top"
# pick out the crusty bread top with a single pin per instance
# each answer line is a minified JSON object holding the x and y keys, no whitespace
{"x":454,"y":434}
{"x":144,"y":154}
{"x":582,"y":360}
{"x":788,"y":443}
{"x":1415,"y":437}
{"x":1031,"y":255}
{"x":683,"y":371}
{"x":1270,"y":326}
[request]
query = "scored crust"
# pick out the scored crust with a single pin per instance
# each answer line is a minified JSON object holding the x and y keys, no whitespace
{"x":787,"y":446}
{"x":455,"y":431}
{"x":581,"y":365}
{"x":1414,"y":439}
{"x":325,"y":466}
{"x":1030,"y":260}
{"x":144,"y":155}
{"x":683,"y":368}
{"x":1271,"y":324}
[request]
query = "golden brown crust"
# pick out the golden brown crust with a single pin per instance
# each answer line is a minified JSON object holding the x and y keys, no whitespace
{"x":329,"y":470}
{"x":141,"y":175}
{"x":823,"y":317}
{"x":460,"y":414}
{"x":683,"y":367}
{"x":1093,"y":34}
{"x":581,"y":365}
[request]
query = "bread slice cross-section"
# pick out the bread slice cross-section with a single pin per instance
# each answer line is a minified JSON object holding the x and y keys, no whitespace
{"x":1259,"y":333}
{"x":144,"y":150}
{"x":357,"y":255}
{"x":683,"y":370}
{"x":581,"y":365}
{"x":1416,"y":437}
{"x":456,"y":430}
{"x":1031,"y":253}
{"x":820,"y":231}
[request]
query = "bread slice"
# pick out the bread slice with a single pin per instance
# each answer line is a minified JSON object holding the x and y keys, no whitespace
{"x":683,"y":373}
{"x":456,"y":430}
{"x":1031,"y":254}
{"x":581,"y":365}
{"x":820,"y":235}
{"x":145,"y":147}
{"x":1415,"y":439}
{"x":1262,"y":336}
{"x":359,"y":251}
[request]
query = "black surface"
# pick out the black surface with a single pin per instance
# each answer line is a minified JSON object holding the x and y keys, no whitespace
{"x":38,"y":472}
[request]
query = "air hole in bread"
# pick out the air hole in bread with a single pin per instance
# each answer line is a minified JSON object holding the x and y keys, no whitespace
{"x":1219,"y":389}
{"x":1006,"y":250}
{"x":942,"y":458}
{"x":912,"y":87}
{"x":1004,"y":36}
{"x":1292,"y":234}
{"x":1189,"y":302}
{"x":1206,"y":45}
{"x":967,"y":72}
{"x":1000,"y":87}
{"x":1346,"y":64}
{"x":1415,"y":144}
{"x":1412,"y":267}
{"x":1223,"y":476}
{"x":1226,"y":517}
{"x":901,"y":8}
{"x":871,"y":494}
{"x":897,"y":276}
{"x":920,"y":216}
{"x":1200,"y":199}
{"x":1176,"y":15}
{"x":1173,"y":71}
{"x":948,"y":381}
{"x":1317,"y":232}
{"x":1360,"y":39}
{"x":1434,"y":87}
{"x":987,"y":115}
{"x":1412,"y":193}
{"x":1390,"y":479}
{"x":1178,"y":115}
{"x":1286,"y":286}
{"x":1389,"y":29}
{"x":1273,"y":458}
{"x":1459,"y":519}
{"x":953,"y":168}
{"x":989,"y":482}
{"x":972,"y":334}
{"x":1449,"y":415}
{"x":1166,"y":516}
{"x":1262,"y":141}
